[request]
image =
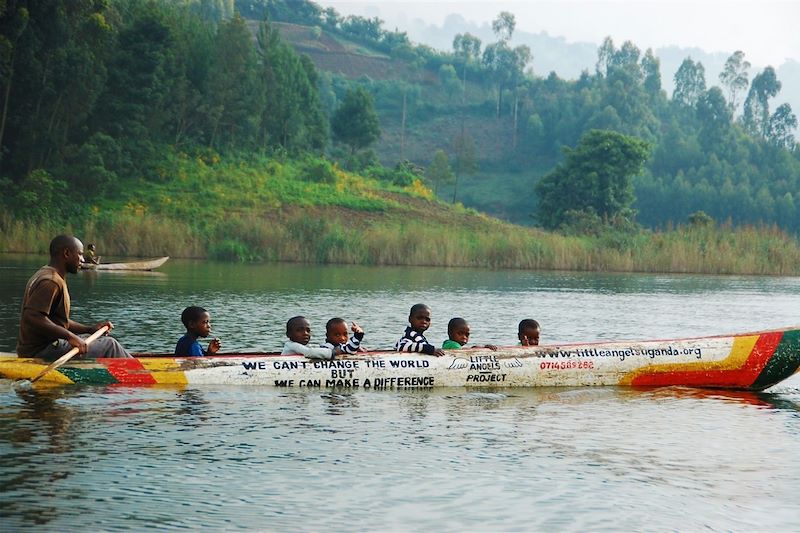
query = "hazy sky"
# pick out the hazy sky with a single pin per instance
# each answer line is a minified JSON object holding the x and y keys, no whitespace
{"x":765,"y":30}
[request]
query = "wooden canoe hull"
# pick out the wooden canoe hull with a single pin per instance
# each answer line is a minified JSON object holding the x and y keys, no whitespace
{"x":750,"y":361}
{"x":147,"y":264}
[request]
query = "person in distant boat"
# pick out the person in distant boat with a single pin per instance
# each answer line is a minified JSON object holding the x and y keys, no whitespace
{"x":529,"y":332}
{"x":338,"y":338}
{"x":91,"y":257}
{"x":45,"y":328}
{"x":198,"y":324}
{"x":458,"y":336}
{"x":413,"y":340}
{"x":298,"y":329}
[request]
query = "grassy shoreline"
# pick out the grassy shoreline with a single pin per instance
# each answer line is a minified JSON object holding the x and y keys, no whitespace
{"x":297,"y":238}
{"x":310,"y":211}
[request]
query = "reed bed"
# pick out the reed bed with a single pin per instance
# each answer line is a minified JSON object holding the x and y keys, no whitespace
{"x":302,"y":238}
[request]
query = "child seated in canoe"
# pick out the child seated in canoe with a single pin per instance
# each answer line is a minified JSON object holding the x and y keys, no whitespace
{"x":198,"y":324}
{"x":298,"y":330}
{"x":413,"y":339}
{"x":458,"y":336}
{"x":529,"y":332}
{"x":336,"y":337}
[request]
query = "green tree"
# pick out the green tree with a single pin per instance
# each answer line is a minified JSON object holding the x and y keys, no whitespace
{"x":690,"y":83}
{"x":355,"y":122}
{"x":503,"y":26}
{"x":449,"y":79}
{"x":755,"y":116}
{"x":781,"y":127}
{"x":439,"y":171}
{"x":595,"y":178}
{"x":464,"y":161}
{"x":468,"y":48}
{"x":651,"y":68}
{"x":292,"y":115}
{"x":605,"y":53}
{"x":735,"y":77}
{"x":715,"y":117}
{"x":234,"y":95}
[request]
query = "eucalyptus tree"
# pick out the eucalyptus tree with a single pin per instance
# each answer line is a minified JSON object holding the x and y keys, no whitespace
{"x":690,"y":83}
{"x":439,"y":171}
{"x":715,"y":117}
{"x":651,"y":69}
{"x":735,"y":77}
{"x":755,"y":116}
{"x":464,"y":161}
{"x":468,"y":48}
{"x":503,"y":26}
{"x":781,"y":127}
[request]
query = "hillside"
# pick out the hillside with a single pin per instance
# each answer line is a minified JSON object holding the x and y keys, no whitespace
{"x":699,"y":154}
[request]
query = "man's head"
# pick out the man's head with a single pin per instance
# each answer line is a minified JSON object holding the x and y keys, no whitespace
{"x":66,"y":253}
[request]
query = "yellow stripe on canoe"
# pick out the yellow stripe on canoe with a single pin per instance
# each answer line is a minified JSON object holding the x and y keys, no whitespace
{"x":740,"y":351}
{"x":28,"y":369}
{"x":164,"y":370}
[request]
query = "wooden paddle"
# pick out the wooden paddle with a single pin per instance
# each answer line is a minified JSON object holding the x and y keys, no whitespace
{"x":69,"y":355}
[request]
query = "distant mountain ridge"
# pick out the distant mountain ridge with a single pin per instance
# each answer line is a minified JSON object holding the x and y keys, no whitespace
{"x":555,"y":54}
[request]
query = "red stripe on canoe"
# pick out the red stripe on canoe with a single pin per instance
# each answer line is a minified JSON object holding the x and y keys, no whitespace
{"x":743,"y":377}
{"x":129,"y":371}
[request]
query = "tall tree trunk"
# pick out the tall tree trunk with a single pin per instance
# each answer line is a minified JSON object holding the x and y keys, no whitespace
{"x":6,"y":98}
{"x":455,"y":186}
{"x":464,"y":84}
{"x":403,"y":128}
{"x":514,"y":131}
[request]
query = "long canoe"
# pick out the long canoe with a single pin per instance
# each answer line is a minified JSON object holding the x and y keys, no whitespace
{"x":747,"y":361}
{"x":147,"y":264}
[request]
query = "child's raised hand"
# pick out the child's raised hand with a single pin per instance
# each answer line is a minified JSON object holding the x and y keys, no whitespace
{"x":355,"y":328}
{"x":492,"y":347}
{"x":214,"y":345}
{"x":439,"y":352}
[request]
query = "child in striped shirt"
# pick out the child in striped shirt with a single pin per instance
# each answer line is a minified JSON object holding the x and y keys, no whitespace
{"x":413,"y":340}
{"x":336,"y":337}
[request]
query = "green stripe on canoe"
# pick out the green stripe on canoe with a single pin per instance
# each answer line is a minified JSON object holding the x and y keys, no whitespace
{"x":89,"y":376}
{"x":783,"y":363}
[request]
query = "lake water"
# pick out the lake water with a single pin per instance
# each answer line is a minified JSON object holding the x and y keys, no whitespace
{"x":253,"y":458}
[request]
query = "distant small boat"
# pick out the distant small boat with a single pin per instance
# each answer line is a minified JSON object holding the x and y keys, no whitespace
{"x":148,"y":264}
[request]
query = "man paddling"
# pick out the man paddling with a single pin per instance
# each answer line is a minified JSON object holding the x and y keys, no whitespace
{"x":45,"y":329}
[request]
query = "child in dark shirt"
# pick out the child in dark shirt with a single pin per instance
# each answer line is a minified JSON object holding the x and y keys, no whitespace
{"x":198,"y":324}
{"x":336,"y":337}
{"x":529,"y":332}
{"x":413,"y":339}
{"x":458,"y":336}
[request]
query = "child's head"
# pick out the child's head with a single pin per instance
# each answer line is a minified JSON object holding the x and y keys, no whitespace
{"x":420,"y":317}
{"x":529,"y":332}
{"x":458,"y":330}
{"x":90,"y":246}
{"x":197,"y":321}
{"x":298,"y":329}
{"x":336,"y":331}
